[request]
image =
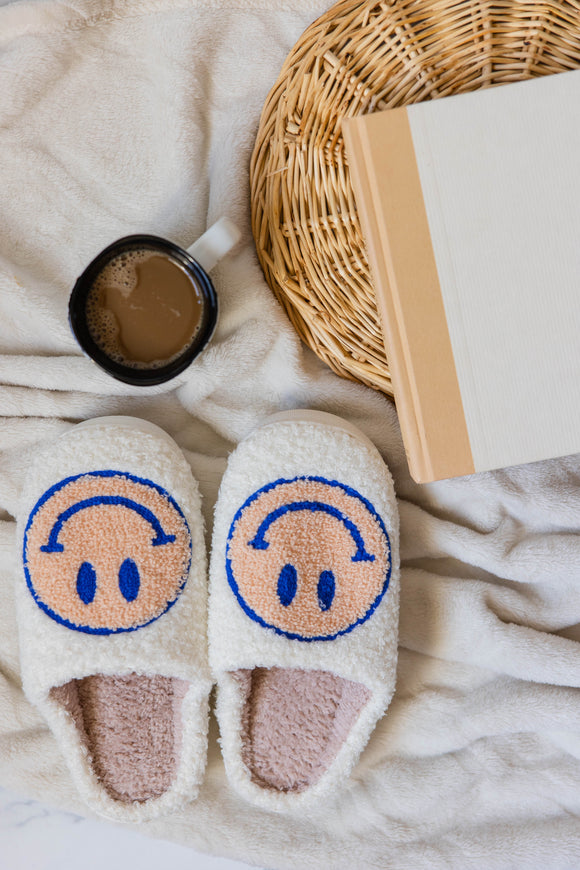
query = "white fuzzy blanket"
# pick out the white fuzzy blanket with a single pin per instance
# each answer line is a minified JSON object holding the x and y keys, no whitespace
{"x":122,"y":116}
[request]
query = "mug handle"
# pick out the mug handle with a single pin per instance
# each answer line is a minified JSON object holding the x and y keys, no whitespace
{"x":215,"y":243}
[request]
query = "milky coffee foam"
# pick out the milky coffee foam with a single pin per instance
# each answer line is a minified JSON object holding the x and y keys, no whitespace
{"x":144,"y":309}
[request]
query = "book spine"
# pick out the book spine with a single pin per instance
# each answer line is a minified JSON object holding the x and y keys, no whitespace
{"x":360,"y":161}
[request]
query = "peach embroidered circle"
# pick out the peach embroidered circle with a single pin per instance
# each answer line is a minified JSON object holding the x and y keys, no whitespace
{"x":106,"y":552}
{"x":308,"y":557}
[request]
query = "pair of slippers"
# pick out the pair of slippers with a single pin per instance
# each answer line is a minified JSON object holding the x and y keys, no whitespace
{"x":120,"y":644}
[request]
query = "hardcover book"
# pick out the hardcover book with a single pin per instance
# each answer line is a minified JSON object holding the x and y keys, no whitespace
{"x":470,"y":209}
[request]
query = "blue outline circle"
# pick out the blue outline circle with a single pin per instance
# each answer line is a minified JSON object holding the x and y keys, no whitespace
{"x":48,"y":495}
{"x":232,"y":580}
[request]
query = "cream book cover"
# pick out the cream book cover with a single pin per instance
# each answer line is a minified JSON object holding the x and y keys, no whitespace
{"x":470,"y":208}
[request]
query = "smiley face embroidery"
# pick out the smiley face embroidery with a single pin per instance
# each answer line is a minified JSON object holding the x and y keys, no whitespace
{"x":106,"y":552}
{"x":309,"y":558}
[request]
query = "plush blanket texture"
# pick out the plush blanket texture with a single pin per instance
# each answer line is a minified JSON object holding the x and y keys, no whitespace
{"x":122,"y":116}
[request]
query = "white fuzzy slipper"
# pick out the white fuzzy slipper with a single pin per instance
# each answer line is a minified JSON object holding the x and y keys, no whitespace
{"x":112,"y":614}
{"x":304,"y":597}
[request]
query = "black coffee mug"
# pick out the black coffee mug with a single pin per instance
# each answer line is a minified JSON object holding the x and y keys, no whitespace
{"x":196,"y":261}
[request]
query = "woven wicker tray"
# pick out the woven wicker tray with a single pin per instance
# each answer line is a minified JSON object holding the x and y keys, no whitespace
{"x":355,"y":59}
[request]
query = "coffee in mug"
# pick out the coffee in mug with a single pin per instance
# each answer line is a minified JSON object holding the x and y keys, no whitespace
{"x":145,"y":308}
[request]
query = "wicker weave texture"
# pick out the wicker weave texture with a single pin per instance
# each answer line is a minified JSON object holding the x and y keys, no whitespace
{"x":355,"y":59}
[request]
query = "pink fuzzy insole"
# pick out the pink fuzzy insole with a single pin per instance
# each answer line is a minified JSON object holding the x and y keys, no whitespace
{"x":294,"y":723}
{"x":131,"y":726}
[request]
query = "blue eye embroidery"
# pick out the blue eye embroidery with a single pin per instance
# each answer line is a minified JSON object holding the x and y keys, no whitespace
{"x":326,"y":590}
{"x":129,"y":580}
{"x":86,"y":583}
{"x":287,"y":585}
